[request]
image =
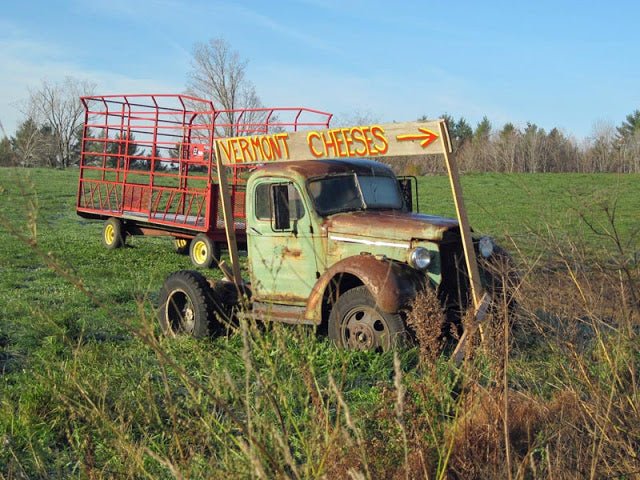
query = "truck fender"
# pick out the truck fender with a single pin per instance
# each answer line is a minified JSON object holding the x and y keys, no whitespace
{"x":392,"y":284}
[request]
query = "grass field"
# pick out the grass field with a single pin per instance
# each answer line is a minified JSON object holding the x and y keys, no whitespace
{"x":89,"y":389}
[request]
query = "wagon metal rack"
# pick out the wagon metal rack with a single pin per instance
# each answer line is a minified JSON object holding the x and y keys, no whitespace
{"x":147,"y":161}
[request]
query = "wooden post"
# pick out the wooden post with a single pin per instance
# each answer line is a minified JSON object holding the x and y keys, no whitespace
{"x":227,"y":215}
{"x":480,"y":299}
{"x":465,"y":230}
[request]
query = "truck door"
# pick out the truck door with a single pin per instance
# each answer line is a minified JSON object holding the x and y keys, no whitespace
{"x":282,"y":263}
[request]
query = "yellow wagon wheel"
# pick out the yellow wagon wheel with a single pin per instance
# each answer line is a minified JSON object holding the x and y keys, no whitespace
{"x":181,"y":245}
{"x":113,"y":234}
{"x":202,"y":251}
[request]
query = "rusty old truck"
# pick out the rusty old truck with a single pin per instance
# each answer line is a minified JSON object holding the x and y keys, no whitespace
{"x":333,"y":238}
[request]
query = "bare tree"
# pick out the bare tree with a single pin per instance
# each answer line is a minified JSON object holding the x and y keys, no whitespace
{"x":58,"y":106}
{"x":354,"y":117}
{"x":219,"y":74}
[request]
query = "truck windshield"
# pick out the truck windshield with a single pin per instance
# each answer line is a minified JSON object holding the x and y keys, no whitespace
{"x":345,"y":193}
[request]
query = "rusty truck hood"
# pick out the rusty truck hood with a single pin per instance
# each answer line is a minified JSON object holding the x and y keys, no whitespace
{"x":390,"y":225}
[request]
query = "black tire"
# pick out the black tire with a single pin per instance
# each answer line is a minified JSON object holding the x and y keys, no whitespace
{"x":113,"y":234}
{"x":231,"y":302}
{"x":356,"y":323}
{"x":181,"y":245}
{"x":188,"y":305}
{"x":202,"y":251}
{"x":217,"y":250}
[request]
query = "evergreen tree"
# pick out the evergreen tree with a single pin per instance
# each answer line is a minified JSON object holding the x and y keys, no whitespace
{"x":450,"y":121}
{"x":175,"y":153}
{"x":630,"y":127}
{"x":508,"y":130}
{"x":48,"y":152}
{"x":462,"y":132}
{"x":6,"y":153}
{"x":483,"y":130}
{"x":121,"y":146}
{"x":91,"y":144}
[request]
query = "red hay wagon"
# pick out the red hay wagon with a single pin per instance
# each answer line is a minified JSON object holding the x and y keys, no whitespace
{"x":147,"y":167}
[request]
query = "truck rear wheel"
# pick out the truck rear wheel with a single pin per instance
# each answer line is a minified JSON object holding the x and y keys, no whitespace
{"x":203,"y":251}
{"x":187,"y":305}
{"x":113,"y":234}
{"x":356,"y":323}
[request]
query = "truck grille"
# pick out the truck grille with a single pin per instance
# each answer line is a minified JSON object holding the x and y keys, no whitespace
{"x":454,"y":290}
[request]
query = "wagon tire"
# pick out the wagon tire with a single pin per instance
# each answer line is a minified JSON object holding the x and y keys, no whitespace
{"x":188,"y":305}
{"x":181,"y":245}
{"x":113,"y":233}
{"x":357,"y":323}
{"x":202,"y":251}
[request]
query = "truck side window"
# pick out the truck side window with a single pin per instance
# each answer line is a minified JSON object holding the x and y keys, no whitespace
{"x":263,"y":202}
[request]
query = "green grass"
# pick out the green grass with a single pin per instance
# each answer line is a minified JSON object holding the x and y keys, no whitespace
{"x":523,"y":205}
{"x":89,"y":389}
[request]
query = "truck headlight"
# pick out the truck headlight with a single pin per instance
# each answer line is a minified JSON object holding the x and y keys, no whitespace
{"x":486,"y":246}
{"x":420,"y":258}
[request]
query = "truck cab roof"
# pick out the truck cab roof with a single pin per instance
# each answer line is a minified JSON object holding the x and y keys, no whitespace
{"x":318,"y":168}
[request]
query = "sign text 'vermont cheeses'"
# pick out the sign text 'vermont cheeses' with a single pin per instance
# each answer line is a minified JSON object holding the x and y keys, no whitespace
{"x":348,"y":142}
{"x":259,"y":148}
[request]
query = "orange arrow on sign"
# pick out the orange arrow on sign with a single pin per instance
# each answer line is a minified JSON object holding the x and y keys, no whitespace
{"x":427,"y":137}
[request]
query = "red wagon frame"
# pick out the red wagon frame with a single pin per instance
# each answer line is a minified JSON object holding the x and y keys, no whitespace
{"x":147,"y":159}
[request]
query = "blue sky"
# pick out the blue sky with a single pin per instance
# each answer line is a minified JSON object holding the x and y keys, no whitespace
{"x":568,"y":64}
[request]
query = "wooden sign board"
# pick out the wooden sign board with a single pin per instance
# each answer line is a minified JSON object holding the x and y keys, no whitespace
{"x":370,"y":141}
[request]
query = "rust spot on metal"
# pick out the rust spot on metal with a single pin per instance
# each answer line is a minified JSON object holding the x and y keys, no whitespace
{"x":282,"y":313}
{"x":289,"y":252}
{"x":392,"y":284}
{"x":281,"y":298}
{"x":151,"y":232}
{"x":391,"y":225}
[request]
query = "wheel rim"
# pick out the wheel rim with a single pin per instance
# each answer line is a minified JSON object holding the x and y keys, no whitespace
{"x":200,"y":252}
{"x":109,"y":234}
{"x":180,"y":312}
{"x":364,"y":328}
{"x":180,"y":243}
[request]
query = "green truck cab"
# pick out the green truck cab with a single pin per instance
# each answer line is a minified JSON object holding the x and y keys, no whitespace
{"x":332,"y":243}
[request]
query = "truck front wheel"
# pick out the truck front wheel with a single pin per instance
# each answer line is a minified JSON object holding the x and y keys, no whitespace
{"x":187,"y":305}
{"x":356,"y":323}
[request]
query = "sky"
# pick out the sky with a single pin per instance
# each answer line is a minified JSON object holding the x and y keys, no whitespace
{"x":566,"y":64}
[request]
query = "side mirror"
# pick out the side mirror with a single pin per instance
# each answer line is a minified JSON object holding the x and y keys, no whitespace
{"x":406,"y":189}
{"x":280,"y":199}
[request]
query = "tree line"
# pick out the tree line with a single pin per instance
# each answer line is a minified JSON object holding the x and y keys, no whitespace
{"x":50,"y":134}
{"x":533,"y":150}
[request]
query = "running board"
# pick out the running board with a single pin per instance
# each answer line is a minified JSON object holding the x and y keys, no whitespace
{"x":281,"y":313}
